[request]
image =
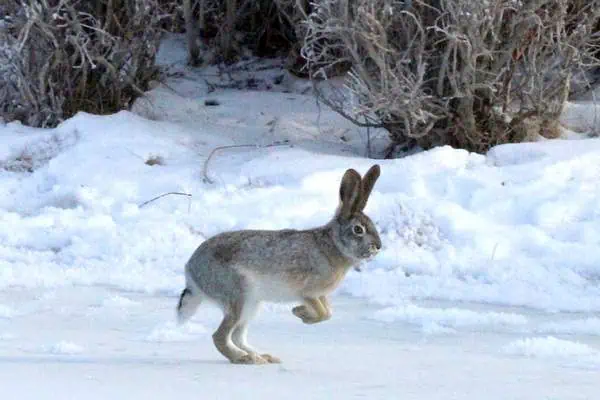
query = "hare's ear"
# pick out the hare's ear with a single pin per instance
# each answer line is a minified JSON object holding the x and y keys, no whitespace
{"x":349,"y":193}
{"x":368,"y":181}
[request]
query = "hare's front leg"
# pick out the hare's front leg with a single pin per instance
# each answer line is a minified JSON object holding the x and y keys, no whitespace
{"x":313,"y":310}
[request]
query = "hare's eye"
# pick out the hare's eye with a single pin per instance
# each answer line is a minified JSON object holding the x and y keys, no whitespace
{"x":358,"y":230}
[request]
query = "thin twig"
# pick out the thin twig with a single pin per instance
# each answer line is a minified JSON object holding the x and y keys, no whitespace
{"x":166,"y":194}
{"x":256,"y":146}
{"x":368,"y":141}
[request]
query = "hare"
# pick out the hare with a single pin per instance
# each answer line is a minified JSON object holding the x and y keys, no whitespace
{"x":238,"y":270}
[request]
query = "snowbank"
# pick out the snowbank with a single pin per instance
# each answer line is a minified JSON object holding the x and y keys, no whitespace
{"x":518,"y":226}
{"x":572,"y":353}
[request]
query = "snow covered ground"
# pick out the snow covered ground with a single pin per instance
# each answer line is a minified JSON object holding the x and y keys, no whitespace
{"x":488,"y":285}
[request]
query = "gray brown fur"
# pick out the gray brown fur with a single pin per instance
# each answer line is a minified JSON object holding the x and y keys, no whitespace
{"x":238,"y":270}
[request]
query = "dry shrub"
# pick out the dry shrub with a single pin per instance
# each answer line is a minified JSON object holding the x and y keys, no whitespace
{"x":471,"y":74}
{"x":171,"y":15}
{"x":227,"y":27}
{"x":59,"y":57}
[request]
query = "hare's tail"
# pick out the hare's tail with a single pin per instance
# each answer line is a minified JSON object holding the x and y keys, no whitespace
{"x":187,"y":306}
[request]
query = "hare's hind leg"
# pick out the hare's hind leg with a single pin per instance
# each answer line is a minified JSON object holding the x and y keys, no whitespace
{"x":223,"y":336}
{"x":187,"y":306}
{"x":240,"y":333}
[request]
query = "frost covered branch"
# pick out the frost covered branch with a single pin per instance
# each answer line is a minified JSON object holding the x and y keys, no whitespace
{"x":58,"y":57}
{"x":466,"y":73}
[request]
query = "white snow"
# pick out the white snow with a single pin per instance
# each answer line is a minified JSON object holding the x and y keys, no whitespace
{"x":583,"y":326}
{"x":6,"y":336}
{"x":63,"y":348}
{"x":6,"y":312}
{"x":481,"y":254}
{"x":119,"y":302}
{"x":575,"y":354}
{"x":548,"y":347}
{"x":448,"y":318}
{"x":170,"y":332}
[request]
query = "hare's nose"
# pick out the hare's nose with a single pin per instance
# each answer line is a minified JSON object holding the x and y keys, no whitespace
{"x":374,"y":248}
{"x":377,"y":244}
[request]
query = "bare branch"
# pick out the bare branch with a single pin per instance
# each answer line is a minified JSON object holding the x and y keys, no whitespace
{"x":467,"y":73}
{"x":163,"y":195}
{"x":235,"y":146}
{"x":61,"y":57}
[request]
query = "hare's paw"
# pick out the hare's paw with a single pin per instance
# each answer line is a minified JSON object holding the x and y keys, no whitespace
{"x":305,"y":315}
{"x":250,"y":359}
{"x":270,"y":359}
{"x":312,"y":314}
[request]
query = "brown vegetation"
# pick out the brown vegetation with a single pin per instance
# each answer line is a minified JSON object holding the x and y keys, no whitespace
{"x":63,"y":56}
{"x":471,"y":74}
